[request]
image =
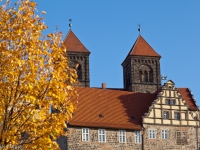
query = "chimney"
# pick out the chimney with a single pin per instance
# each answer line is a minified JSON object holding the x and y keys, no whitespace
{"x":103,"y":85}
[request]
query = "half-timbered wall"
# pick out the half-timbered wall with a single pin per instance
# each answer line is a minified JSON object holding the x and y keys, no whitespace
{"x":170,"y":109}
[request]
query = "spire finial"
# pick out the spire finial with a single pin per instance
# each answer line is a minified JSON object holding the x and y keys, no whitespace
{"x":139,"y":29}
{"x":70,"y":23}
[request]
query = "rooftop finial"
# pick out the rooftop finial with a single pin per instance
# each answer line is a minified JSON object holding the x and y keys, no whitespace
{"x":139,"y":29}
{"x":70,"y":23}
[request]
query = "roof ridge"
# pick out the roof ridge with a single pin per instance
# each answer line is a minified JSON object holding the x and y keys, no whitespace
{"x":117,"y":90}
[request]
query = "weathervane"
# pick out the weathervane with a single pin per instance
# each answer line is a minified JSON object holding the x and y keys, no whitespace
{"x":139,"y":29}
{"x":163,"y":77}
{"x":70,"y":23}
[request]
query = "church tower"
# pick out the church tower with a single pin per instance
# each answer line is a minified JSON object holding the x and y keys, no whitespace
{"x":78,"y":57}
{"x":141,"y":68}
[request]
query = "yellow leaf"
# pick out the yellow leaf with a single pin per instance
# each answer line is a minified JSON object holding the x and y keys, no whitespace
{"x":49,"y":35}
{"x":43,"y":12}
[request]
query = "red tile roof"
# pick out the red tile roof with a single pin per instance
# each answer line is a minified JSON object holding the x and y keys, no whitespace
{"x":142,"y":48}
{"x":116,"y":106}
{"x":188,"y":98}
{"x":73,"y":44}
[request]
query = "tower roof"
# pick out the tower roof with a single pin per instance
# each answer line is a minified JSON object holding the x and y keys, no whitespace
{"x":73,"y":44}
{"x":142,"y":48}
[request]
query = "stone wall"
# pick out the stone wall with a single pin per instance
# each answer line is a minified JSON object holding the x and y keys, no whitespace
{"x":74,"y":140}
{"x":83,"y":60}
{"x":132,"y":67}
{"x":171,"y":142}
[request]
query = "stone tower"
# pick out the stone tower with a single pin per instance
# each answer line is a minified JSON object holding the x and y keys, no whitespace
{"x":141,"y":68}
{"x":78,"y":57}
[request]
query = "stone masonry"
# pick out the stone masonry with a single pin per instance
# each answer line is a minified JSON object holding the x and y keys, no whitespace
{"x":74,"y":140}
{"x":171,"y":142}
{"x":132,"y":67}
{"x":83,"y":60}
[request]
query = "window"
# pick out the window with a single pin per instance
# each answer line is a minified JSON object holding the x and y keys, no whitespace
{"x":102,"y":135}
{"x":122,"y":136}
{"x":152,"y":134}
{"x":183,"y":115}
{"x":164,"y":134}
{"x":85,"y":134}
{"x":167,"y":102}
{"x":138,"y":137}
{"x":173,"y":102}
{"x":79,"y":72}
{"x":177,"y":115}
{"x":166,"y":114}
{"x":181,"y":138}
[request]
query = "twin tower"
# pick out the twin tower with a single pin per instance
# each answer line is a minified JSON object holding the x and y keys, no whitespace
{"x":141,"y":67}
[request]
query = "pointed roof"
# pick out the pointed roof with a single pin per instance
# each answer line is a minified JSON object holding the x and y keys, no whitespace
{"x":73,"y":44}
{"x":142,"y":48}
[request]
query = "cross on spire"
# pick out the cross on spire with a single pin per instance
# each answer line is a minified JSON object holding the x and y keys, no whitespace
{"x":70,"y":23}
{"x":139,"y":29}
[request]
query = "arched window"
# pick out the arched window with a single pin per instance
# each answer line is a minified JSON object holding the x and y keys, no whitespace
{"x":146,"y":76}
{"x":151,"y":76}
{"x":79,"y":72}
{"x":141,"y":76}
{"x":145,"y":73}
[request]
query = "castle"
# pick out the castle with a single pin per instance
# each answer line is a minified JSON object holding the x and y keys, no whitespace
{"x":144,"y":115}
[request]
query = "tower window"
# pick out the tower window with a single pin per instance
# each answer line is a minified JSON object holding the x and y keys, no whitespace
{"x":146,"y":74}
{"x":146,"y":77}
{"x":141,"y":76}
{"x":151,"y":76}
{"x":79,"y":72}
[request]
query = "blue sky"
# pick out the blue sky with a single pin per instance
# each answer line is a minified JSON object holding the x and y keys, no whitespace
{"x":108,"y":28}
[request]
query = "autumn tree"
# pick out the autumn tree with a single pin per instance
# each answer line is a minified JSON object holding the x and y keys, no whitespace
{"x":34,"y":75}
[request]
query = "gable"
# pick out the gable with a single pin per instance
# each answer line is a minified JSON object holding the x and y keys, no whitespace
{"x":173,"y":106}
